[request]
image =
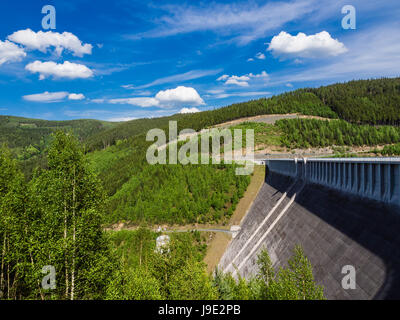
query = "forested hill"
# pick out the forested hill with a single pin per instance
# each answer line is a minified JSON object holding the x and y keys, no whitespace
{"x":79,"y":190}
{"x":28,"y":137}
{"x":374,"y":101}
{"x":364,"y":101}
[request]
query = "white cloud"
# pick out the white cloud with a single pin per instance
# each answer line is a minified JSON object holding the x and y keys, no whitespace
{"x":250,"y":59}
{"x":260,"y":56}
{"x":65,"y":70}
{"x":142,"y":92}
{"x":223,"y":77}
{"x":50,"y":97}
{"x":248,"y":20}
{"x":190,"y":75}
{"x":189,"y":110}
{"x":43,"y":40}
{"x":121,"y":119}
{"x":312,"y":46}
{"x":127,"y":86}
{"x":143,"y":102}
{"x":98,"y":100}
{"x":180,"y":95}
{"x":263,"y":74}
{"x":215,"y":91}
{"x":373,"y":53}
{"x":241,"y":81}
{"x":242,"y":94}
{"x":240,"y":78}
{"x":236,"y":80}
{"x":10,"y":52}
{"x":164,"y":99}
{"x":46,"y":96}
{"x":76,"y":96}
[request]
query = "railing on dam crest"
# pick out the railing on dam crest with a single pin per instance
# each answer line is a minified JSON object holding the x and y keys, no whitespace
{"x":373,"y":178}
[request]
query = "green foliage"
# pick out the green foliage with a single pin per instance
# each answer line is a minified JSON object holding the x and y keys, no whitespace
{"x":392,"y":150}
{"x":27,"y":133}
{"x":54,"y":220}
{"x":295,"y":282}
{"x":191,"y":283}
{"x":133,"y":284}
{"x":374,"y":101}
{"x":177,"y":194}
{"x":230,"y":289}
{"x":304,"y":133}
{"x":177,"y":273}
{"x":54,"y":216}
{"x":29,"y":139}
{"x":264,"y":134}
{"x":298,"y":101}
{"x":12,"y":225}
{"x":144,"y":193}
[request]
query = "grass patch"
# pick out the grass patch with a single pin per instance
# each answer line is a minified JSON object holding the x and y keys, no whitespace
{"x":264,"y":134}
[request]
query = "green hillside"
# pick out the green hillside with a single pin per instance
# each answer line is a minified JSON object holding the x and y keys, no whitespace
{"x":98,"y":175}
{"x":293,"y":102}
{"x":375,"y":101}
{"x":179,"y":274}
{"x":55,"y":220}
{"x":29,"y":137}
{"x":138,"y":192}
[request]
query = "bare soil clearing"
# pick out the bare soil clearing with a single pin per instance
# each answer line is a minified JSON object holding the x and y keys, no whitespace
{"x":215,"y":250}
{"x":268,"y":118}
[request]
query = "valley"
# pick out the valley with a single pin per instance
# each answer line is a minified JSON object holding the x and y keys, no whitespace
{"x":132,"y":202}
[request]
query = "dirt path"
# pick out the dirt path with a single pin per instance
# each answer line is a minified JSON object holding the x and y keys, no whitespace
{"x":173,"y":228}
{"x":268,"y":118}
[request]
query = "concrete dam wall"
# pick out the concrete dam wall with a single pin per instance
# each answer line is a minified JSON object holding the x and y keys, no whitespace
{"x":341,"y":211}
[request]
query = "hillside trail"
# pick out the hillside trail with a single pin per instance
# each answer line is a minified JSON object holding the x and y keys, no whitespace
{"x":267,"y":118}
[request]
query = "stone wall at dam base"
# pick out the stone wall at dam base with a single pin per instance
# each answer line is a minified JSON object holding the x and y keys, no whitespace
{"x":342,"y":211}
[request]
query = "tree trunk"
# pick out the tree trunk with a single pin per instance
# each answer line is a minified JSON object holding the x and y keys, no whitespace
{"x":140,"y":257}
{"x":73,"y":238}
{"x":65,"y":242}
{"x":14,"y":285}
{"x":8,"y":280}
{"x":33,"y":268}
{"x":2,"y":264}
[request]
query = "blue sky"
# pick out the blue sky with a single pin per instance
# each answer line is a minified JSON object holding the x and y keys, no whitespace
{"x":125,"y":59}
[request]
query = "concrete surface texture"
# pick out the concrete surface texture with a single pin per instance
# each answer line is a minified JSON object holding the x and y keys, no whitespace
{"x":372,"y":178}
{"x":334,"y":225}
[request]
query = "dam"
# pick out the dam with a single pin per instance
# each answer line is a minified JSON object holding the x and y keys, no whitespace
{"x":342,"y":211}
